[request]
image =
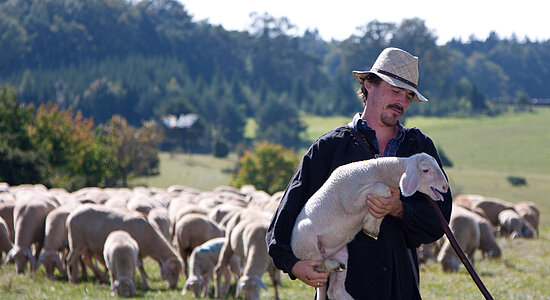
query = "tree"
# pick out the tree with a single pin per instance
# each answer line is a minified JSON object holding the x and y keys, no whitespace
{"x":132,"y":151}
{"x":268,"y":167}
{"x":279,"y":122}
{"x":68,"y":140}
{"x":20,"y":161}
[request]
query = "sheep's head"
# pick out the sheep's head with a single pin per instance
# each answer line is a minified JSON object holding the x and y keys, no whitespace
{"x":124,"y":288}
{"x":250,"y":285}
{"x":423,"y":174}
{"x":170,"y":271}
{"x":20,"y":256}
{"x":195,"y":285}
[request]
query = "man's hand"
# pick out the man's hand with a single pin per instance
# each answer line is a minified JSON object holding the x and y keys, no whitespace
{"x":379,"y":207}
{"x":305,"y":271}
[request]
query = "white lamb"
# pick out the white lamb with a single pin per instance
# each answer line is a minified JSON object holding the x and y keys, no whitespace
{"x":121,"y":257}
{"x":338,"y":210}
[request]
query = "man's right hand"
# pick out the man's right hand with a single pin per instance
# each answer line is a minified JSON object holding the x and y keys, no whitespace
{"x":305,"y":271}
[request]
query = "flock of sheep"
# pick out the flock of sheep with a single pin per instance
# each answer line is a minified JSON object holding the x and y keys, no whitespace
{"x":203,"y":235}
{"x":214,"y":235}
{"x":475,"y":221}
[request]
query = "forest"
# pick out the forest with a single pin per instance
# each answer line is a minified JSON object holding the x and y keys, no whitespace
{"x":147,"y":61}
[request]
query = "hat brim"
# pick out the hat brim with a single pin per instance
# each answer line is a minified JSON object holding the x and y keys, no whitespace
{"x":360,"y":76}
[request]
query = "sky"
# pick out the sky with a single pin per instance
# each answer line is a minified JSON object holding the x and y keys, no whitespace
{"x":338,"y":19}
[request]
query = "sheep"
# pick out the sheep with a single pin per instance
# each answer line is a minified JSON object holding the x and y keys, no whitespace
{"x":201,"y":263}
{"x":338,"y":210}
{"x":513,"y":225}
{"x":29,"y":216}
{"x":246,"y":240}
{"x":192,"y":230}
{"x":56,"y":241}
{"x":158,"y":217}
{"x":6,"y":213}
{"x":466,"y":230}
{"x":487,"y":242}
{"x":490,"y":207}
{"x":5,"y":242}
{"x":89,"y":225}
{"x":121,"y":257}
{"x":530,"y":213}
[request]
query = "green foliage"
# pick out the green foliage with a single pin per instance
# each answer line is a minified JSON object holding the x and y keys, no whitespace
{"x":67,"y":139}
{"x":132,"y":152}
{"x":20,"y":161}
{"x":268,"y":167}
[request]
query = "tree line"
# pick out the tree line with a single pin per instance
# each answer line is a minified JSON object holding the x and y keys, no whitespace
{"x":145,"y":60}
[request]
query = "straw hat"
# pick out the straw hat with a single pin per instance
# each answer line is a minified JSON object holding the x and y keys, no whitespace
{"x":396,"y":67}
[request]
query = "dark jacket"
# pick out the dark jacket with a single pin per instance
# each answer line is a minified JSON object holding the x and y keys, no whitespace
{"x":377,"y":269}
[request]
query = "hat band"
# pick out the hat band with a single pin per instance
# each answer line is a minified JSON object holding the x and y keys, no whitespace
{"x":398,"y":78}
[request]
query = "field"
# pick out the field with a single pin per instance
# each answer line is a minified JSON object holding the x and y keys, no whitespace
{"x":484,"y":151}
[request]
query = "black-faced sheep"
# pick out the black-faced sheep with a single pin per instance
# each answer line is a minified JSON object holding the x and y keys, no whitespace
{"x":338,"y":210}
{"x":121,"y":257}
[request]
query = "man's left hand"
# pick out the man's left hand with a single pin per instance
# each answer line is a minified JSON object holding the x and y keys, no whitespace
{"x":381,"y":206}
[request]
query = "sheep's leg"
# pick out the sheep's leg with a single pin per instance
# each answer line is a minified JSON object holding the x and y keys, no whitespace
{"x":143,"y":274}
{"x":223,"y":261}
{"x":337,"y":289}
{"x":72,"y":265}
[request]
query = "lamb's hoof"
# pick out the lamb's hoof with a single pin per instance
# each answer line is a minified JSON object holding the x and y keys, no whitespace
{"x":331,"y":265}
{"x":372,"y":235}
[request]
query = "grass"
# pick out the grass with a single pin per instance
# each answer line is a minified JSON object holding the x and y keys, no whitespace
{"x":485,"y":151}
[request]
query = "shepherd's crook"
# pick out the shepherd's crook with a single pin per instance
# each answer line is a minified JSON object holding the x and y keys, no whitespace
{"x":459,"y":251}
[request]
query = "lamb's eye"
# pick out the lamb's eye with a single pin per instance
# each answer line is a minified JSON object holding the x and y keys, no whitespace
{"x":425,"y":170}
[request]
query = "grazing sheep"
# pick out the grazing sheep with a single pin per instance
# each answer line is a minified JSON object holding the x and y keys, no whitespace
{"x":338,"y":210}
{"x":466,"y":231}
{"x":490,"y":207}
{"x":5,"y":242}
{"x":487,"y":242}
{"x":6,"y":213}
{"x":29,"y":216}
{"x":121,"y":257}
{"x":192,"y":230}
{"x":530,"y":213}
{"x":56,"y":243}
{"x":246,"y":240}
{"x":89,"y":225}
{"x":158,"y":216}
{"x":513,"y":225}
{"x":201,"y":263}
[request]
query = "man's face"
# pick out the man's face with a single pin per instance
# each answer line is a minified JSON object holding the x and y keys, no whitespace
{"x":388,"y":101}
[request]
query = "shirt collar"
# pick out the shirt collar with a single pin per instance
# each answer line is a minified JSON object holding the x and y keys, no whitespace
{"x":361,"y":124}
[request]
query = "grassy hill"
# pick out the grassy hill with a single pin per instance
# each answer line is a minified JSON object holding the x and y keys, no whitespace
{"x":484,"y":151}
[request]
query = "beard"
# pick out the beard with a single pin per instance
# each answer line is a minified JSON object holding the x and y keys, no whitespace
{"x":390,"y":117}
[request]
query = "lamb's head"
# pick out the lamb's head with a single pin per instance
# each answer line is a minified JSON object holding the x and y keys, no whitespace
{"x":423,"y":174}
{"x":170,"y":271}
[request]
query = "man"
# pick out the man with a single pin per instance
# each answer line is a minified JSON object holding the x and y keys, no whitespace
{"x":385,"y":268}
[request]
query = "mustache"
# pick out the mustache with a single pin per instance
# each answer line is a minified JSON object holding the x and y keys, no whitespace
{"x":396,"y":106}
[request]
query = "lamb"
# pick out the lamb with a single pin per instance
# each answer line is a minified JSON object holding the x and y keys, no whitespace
{"x":201,"y":263}
{"x":338,"y":210}
{"x":513,"y":225}
{"x":6,"y":213}
{"x":29,"y":215}
{"x":530,"y":213}
{"x":89,"y":225}
{"x":121,"y":257}
{"x":192,"y":230}
{"x":466,"y":230}
{"x":5,"y":242}
{"x":246,"y":240}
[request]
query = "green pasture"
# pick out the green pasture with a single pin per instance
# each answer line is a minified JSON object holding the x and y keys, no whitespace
{"x":484,"y":151}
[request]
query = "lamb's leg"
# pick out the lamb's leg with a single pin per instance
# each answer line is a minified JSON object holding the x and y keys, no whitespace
{"x":337,"y":288}
{"x":371,"y":225}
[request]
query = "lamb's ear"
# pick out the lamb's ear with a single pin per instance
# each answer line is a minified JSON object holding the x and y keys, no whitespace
{"x":410,"y":180}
